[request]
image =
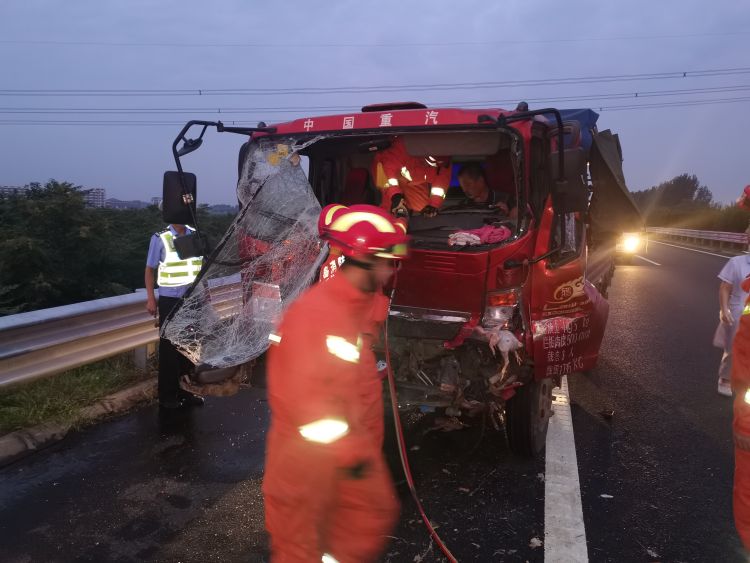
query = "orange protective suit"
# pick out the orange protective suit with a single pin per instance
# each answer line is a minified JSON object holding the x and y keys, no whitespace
{"x":741,"y":423}
{"x":422,"y":181}
{"x":323,"y":369}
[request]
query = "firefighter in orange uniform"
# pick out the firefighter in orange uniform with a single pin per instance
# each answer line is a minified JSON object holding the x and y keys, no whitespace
{"x":741,"y":423}
{"x":410,"y":183}
{"x":328,"y":492}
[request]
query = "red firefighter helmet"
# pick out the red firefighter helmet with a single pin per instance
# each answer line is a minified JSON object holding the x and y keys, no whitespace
{"x":363,"y":229}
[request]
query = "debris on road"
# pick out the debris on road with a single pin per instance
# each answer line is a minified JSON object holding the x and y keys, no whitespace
{"x":535,"y":543}
{"x":652,"y":554}
{"x":482,"y":481}
{"x":606,"y":496}
{"x":421,"y":556}
{"x":607,"y":414}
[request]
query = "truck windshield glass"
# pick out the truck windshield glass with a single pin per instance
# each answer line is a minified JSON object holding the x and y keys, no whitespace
{"x":267,"y":257}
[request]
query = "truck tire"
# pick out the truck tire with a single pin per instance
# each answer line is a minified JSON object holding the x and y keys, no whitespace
{"x":527,"y":418}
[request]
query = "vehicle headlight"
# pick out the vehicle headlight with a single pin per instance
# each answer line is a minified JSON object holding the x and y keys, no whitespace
{"x":500,"y":308}
{"x":631,"y":243}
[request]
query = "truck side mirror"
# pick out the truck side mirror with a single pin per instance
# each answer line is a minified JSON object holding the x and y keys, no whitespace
{"x":569,"y":194}
{"x":178,"y":201}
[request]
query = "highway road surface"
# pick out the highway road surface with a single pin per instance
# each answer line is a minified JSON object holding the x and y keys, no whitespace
{"x":651,"y":478}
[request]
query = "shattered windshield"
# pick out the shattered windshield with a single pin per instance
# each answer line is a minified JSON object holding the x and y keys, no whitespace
{"x":268,"y":256}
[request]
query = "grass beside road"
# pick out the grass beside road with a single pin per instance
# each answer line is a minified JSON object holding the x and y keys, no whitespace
{"x":59,"y":398}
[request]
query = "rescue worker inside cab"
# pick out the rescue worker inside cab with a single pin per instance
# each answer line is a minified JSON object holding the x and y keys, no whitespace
{"x":409,"y":183}
{"x":328,"y":493}
{"x":476,"y":188}
{"x":174,"y":276}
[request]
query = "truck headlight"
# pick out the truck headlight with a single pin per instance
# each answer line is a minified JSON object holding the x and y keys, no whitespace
{"x":631,"y":243}
{"x":500,"y":308}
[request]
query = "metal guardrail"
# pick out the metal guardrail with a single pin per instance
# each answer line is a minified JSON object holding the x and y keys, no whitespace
{"x":42,"y":343}
{"x":719,"y":237}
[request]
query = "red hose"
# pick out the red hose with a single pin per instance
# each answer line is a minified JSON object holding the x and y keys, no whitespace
{"x":402,"y":449}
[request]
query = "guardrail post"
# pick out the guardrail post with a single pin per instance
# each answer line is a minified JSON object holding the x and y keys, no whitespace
{"x":143,"y":354}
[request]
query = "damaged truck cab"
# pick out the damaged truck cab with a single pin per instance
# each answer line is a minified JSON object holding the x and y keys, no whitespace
{"x":496,"y":303}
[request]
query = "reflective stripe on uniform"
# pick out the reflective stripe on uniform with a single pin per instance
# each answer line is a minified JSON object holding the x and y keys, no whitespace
{"x":440,"y":192}
{"x":325,"y":430}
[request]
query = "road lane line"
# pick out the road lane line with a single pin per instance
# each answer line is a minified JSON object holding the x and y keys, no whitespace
{"x":564,"y":531}
{"x":647,"y":260}
{"x":690,"y":249}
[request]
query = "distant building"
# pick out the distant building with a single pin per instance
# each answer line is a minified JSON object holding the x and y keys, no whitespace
{"x":6,"y":191}
{"x":95,"y":197}
{"x":156,"y":201}
{"x":113,"y":203}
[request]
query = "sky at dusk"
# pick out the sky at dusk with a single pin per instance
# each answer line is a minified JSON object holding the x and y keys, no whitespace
{"x":691,"y":115}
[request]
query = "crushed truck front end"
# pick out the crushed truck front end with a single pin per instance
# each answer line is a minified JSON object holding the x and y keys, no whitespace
{"x":494,"y":304}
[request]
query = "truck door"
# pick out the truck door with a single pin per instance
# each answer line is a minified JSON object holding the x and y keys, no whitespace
{"x":567,"y":313}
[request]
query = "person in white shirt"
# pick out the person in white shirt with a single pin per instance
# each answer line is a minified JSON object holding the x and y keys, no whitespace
{"x":731,"y":302}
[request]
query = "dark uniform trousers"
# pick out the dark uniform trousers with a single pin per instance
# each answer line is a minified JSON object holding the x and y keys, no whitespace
{"x":172,"y":364}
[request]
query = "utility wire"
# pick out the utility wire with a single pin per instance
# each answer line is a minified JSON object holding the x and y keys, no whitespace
{"x":380,"y":44}
{"x":345,"y":108}
{"x":251,"y":121}
{"x":380,"y":88}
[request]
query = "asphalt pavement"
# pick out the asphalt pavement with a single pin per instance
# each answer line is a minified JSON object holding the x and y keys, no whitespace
{"x":655,"y":475}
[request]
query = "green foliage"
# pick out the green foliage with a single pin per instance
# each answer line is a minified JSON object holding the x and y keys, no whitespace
{"x":56,"y":251}
{"x":61,"y":397}
{"x":683,"y":202}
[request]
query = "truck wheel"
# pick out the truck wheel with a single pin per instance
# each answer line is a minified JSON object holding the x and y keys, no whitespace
{"x":527,"y":418}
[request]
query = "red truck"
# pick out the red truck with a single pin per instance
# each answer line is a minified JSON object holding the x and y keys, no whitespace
{"x":481,"y":329}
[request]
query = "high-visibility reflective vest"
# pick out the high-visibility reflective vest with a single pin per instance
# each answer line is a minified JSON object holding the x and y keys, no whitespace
{"x":173,"y":271}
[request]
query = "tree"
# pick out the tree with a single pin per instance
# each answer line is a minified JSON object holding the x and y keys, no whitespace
{"x":55,"y":251}
{"x":676,"y":201}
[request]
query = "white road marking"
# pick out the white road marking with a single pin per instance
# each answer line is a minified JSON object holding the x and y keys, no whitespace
{"x":647,"y":260}
{"x":690,"y":249}
{"x":564,"y":531}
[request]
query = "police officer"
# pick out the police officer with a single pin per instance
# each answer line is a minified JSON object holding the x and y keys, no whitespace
{"x":174,"y":277}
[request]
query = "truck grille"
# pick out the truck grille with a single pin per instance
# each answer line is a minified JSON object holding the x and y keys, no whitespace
{"x":439,"y":263}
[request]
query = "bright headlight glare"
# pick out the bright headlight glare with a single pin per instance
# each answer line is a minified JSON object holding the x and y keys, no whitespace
{"x":631,"y":243}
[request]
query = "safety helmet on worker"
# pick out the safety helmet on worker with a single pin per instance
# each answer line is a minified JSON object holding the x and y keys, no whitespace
{"x":363,"y":230}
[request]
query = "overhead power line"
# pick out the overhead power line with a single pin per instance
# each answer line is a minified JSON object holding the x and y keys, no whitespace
{"x":344,"y":108}
{"x":252,"y":121}
{"x":362,"y":44}
{"x":404,"y":88}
